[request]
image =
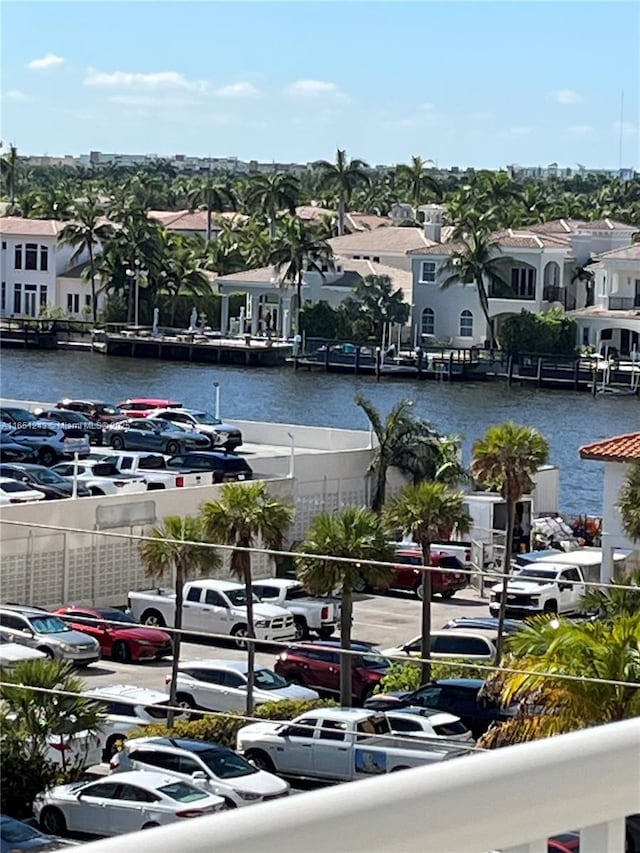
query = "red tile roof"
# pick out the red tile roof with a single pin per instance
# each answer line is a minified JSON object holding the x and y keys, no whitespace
{"x":620,"y":448}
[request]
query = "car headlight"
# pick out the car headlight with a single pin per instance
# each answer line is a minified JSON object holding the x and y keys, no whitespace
{"x":247,"y":795}
{"x":262,"y":623}
{"x":145,"y":643}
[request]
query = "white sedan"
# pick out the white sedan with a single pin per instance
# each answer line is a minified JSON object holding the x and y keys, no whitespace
{"x":427,"y":723}
{"x":126,"y":803}
{"x":15,"y":492}
{"x":102,"y":477}
{"x":221,"y":685}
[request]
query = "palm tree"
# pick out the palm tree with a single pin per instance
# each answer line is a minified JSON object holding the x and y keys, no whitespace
{"x":505,"y":460}
{"x":356,"y":533}
{"x":211,"y":195}
{"x":175,"y":549}
{"x":629,"y":502}
{"x":52,"y":202}
{"x":245,"y":516}
{"x":269,"y":194}
{"x":601,"y":652}
{"x":343,"y":176}
{"x":418,"y":181}
{"x":611,"y":601}
{"x":87,"y":232}
{"x":477,"y":259}
{"x":428,"y":512}
{"x":10,"y":173}
{"x":297,"y":250}
{"x":181,"y":272}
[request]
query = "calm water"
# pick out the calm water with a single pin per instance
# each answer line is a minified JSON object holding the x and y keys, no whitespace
{"x":568,"y":419}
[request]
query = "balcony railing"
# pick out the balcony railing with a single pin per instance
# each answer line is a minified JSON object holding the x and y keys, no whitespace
{"x":623,"y":303}
{"x":508,"y":799}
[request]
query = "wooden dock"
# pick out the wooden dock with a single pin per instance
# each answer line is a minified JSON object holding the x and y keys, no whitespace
{"x":246,"y":351}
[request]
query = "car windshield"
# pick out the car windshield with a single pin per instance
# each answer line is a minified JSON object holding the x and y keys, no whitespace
{"x":14,"y":487}
{"x":410,"y":560}
{"x":205,"y":418}
{"x":13,"y":831}
{"x":265,"y":679}
{"x":238,"y":597}
{"x":20,"y":415}
{"x":375,"y":661}
{"x":163,"y":426}
{"x":182,"y":792}
{"x":48,"y":624}
{"x":48,"y":477}
{"x":226,"y":764}
{"x":123,"y":620}
{"x":537,"y":574}
{"x":295,"y":592}
{"x":149,"y":463}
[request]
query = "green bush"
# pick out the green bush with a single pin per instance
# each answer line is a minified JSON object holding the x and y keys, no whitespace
{"x":551,"y":333}
{"x":406,"y":676}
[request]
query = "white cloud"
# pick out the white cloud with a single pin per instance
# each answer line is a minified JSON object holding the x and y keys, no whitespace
{"x":523,"y":130}
{"x":140,"y":80}
{"x":16,"y":96}
{"x":581,"y":129}
{"x":153,"y":101}
{"x":241,"y":89}
{"x":49,"y":60}
{"x":628,"y":128}
{"x":315,"y":89}
{"x":566,"y":96}
{"x":427,"y":107}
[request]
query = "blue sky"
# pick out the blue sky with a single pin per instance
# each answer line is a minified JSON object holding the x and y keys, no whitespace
{"x":470,"y":84}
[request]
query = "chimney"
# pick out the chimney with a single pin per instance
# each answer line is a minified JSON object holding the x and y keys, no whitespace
{"x":581,"y":247}
{"x":433,"y":214}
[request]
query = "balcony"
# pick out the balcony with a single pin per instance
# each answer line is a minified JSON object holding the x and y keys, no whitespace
{"x":510,"y":799}
{"x":623,"y":303}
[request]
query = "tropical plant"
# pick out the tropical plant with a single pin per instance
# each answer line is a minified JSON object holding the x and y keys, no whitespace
{"x":613,"y":601}
{"x":9,"y":164}
{"x":418,"y":182}
{"x":404,"y":677}
{"x":176,"y":549}
{"x":270,"y":194}
{"x":629,"y":501}
{"x":428,"y":512}
{"x":378,"y":305}
{"x":87,"y":232}
{"x":550,"y":333}
{"x":181,"y":273}
{"x":343,"y":177}
{"x":505,"y":460}
{"x":359,"y":535}
{"x":245,"y":517}
{"x":212,"y":195}
{"x":601,"y":665}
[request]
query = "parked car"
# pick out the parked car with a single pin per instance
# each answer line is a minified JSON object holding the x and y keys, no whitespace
{"x":310,"y":613}
{"x":39,"y":629}
{"x":73,"y":420}
{"x":221,"y":770}
{"x":19,"y":837}
{"x":119,"y":635}
{"x":14,"y":416}
{"x":153,"y":467}
{"x":127,"y":708}
{"x":407,"y":577}
{"x":51,"y":441}
{"x":141,"y":407}
{"x":541,"y":588}
{"x":95,"y":410}
{"x":317,"y":665}
{"x":428,"y":723}
{"x":102,"y":478}
{"x":219,"y":433}
{"x":478,"y":644}
{"x":45,"y":480}
{"x":226,"y":467}
{"x":13,"y":451}
{"x":11,"y":653}
{"x":15,"y":492}
{"x":110,"y":806}
{"x":158,"y":435}
{"x":471,"y":623}
{"x":458,"y":696}
{"x":221,"y":685}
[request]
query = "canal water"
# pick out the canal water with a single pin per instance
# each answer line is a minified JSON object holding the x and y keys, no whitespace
{"x":568,"y":419}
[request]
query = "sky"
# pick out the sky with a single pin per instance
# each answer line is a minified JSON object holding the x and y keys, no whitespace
{"x":483,"y":84}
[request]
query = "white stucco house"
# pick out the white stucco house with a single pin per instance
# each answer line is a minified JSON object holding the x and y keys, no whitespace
{"x":540,"y":263}
{"x":616,"y":453}
{"x":388,"y":246}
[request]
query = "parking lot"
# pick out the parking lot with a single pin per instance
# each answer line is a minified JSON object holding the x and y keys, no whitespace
{"x":385,"y":620}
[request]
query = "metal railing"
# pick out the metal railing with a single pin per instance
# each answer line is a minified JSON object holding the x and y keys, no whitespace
{"x":510,"y":799}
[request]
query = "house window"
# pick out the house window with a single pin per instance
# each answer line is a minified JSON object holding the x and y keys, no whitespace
{"x":466,"y":324}
{"x":87,"y":300}
{"x":4,"y":245}
{"x":428,"y":321}
{"x":3,"y":297}
{"x":17,"y":261}
{"x":43,"y":295}
{"x":606,"y":335}
{"x":523,"y":282}
{"x":427,"y":272}
{"x":376,"y":260}
{"x":73,"y":303}
{"x":44,"y":258}
{"x":31,"y":256}
{"x":17,"y":298}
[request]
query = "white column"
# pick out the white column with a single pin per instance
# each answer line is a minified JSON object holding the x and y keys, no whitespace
{"x":255,"y":301}
{"x":603,"y":836}
{"x":286,"y":320}
{"x":224,"y":313}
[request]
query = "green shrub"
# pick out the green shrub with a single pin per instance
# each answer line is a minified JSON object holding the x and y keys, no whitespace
{"x":406,"y":676}
{"x":24,"y":774}
{"x":550,"y":333}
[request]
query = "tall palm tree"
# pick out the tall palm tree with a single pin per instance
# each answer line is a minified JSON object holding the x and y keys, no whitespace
{"x":295,"y":251}
{"x":244,"y":517}
{"x":360,"y":535}
{"x":181,"y":272}
{"x":212,"y":195}
{"x":602,"y":652}
{"x":343,"y":176}
{"x":428,"y":512}
{"x":52,"y":203}
{"x":86,"y":233}
{"x":174,"y":549}
{"x":417,"y":181}
{"x":269,"y":194}
{"x":629,"y":502}
{"x":9,"y":164}
{"x":477,"y":260}
{"x":505,"y":460}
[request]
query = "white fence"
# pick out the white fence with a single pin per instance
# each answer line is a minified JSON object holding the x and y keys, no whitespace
{"x":511,"y":799}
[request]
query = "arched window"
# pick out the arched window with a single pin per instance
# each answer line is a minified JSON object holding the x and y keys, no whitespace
{"x":428,"y":321}
{"x":466,"y":324}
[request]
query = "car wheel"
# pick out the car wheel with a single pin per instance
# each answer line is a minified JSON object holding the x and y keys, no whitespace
{"x":47,"y":457}
{"x":418,"y":590}
{"x":117,"y":442}
{"x":551,"y":607}
{"x":239,"y":633}
{"x":95,"y":492}
{"x":302,"y":631}
{"x":52,"y":821}
{"x":150,"y":825}
{"x":121,"y":653}
{"x":360,"y":584}
{"x":260,"y":760}
{"x":153,"y":619}
{"x":183,"y":700}
{"x":326,"y":633}
{"x":448,"y":593}
{"x":111,"y":746}
{"x":396,"y":769}
{"x":173,"y":448}
{"x":47,"y":651}
{"x":229,"y":804}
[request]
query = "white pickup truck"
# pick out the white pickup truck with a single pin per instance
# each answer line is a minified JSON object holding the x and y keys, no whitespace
{"x":320,"y":615}
{"x":336,"y":744}
{"x":213,"y":606}
{"x":541,"y":588}
{"x":153,"y":467}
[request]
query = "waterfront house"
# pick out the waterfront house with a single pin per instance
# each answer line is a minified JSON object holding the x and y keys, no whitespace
{"x":388,"y":246}
{"x":616,"y":453}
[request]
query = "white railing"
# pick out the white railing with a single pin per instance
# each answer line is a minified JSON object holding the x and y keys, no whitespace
{"x":510,"y":799}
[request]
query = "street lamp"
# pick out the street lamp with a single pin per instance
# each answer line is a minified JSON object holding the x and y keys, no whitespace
{"x":292,"y":457}
{"x":135,"y":274}
{"x":216,"y":385}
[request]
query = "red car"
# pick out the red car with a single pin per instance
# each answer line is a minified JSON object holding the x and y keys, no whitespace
{"x":121,"y":637}
{"x":407,"y":577}
{"x":142,"y":407}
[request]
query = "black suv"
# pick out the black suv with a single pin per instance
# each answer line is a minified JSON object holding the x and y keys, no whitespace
{"x":74,"y":422}
{"x":225,"y":466}
{"x":458,"y":696}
